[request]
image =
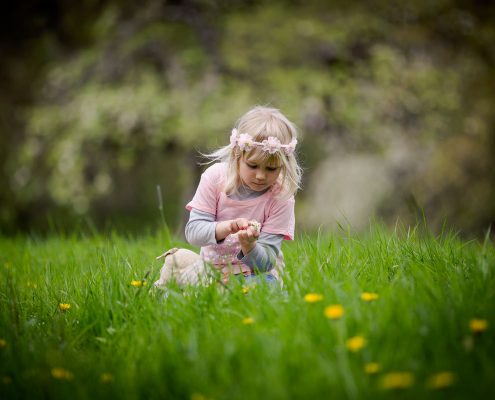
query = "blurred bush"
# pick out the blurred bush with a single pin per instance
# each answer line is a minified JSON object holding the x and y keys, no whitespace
{"x":394,"y":103}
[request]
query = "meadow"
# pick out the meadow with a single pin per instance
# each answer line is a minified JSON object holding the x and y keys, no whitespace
{"x":389,"y":314}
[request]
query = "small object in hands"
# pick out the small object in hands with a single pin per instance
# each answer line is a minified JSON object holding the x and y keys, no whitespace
{"x":185,"y":267}
{"x":255,"y":224}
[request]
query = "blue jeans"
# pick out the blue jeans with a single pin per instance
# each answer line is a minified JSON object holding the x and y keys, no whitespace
{"x":267,"y":278}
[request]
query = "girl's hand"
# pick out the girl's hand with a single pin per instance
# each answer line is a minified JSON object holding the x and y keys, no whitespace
{"x":238,"y":224}
{"x":249,"y":235}
{"x":248,"y":231}
{"x":225,"y":228}
{"x":248,"y":238}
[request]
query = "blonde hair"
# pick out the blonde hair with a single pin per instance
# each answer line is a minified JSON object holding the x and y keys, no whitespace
{"x":260,"y":123}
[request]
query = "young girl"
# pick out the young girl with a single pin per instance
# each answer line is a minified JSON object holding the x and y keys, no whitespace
{"x":243,"y":207}
{"x":255,"y":179}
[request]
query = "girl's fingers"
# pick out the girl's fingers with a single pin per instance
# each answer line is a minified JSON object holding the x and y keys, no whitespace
{"x":247,"y":236}
{"x":252,"y":233}
{"x":245,"y":232}
{"x":236,"y":225}
{"x":242,"y":223}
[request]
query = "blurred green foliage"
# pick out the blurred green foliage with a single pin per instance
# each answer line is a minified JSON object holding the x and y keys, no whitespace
{"x":118,"y":99}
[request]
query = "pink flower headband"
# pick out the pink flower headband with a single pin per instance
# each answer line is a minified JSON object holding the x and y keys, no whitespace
{"x":271,"y":145}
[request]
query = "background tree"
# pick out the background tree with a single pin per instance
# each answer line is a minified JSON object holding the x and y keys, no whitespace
{"x":103,"y":102}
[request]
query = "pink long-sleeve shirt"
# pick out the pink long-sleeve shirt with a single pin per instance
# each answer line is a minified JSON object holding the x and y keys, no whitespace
{"x":275,"y":213}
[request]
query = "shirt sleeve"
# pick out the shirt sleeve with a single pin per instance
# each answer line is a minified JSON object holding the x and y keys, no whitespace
{"x":280,"y":219}
{"x":200,"y":229}
{"x":206,"y":196}
{"x":263,"y":256}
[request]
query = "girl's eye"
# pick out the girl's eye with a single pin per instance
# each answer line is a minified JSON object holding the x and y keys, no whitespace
{"x":252,"y":166}
{"x":272,"y":168}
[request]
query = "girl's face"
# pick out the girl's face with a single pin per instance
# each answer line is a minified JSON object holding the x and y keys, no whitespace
{"x":258,"y":175}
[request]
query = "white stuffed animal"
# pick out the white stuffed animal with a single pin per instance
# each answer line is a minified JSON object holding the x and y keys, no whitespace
{"x":184,"y":266}
{"x":187,"y":267}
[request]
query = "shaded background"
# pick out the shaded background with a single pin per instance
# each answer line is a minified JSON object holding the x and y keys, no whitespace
{"x":103,"y":101}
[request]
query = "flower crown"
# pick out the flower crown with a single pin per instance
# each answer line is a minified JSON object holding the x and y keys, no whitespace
{"x":271,"y":145}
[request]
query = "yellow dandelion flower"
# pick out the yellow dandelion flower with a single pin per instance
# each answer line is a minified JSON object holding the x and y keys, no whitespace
{"x":198,"y":396}
{"x":368,"y":296}
{"x":248,"y":321}
{"x":334,"y":311}
{"x":397,"y":380}
{"x":478,"y":325}
{"x":313,"y":298}
{"x":32,"y":285}
{"x":441,"y":380}
{"x":3,"y":343}
{"x":64,"y":306}
{"x":106,"y":377}
{"x":6,"y":380}
{"x":137,"y":283}
{"x":355,"y":343}
{"x":372,"y":368}
{"x":62,"y":374}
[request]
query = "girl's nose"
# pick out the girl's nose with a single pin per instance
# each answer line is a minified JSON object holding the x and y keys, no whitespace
{"x":260,"y":175}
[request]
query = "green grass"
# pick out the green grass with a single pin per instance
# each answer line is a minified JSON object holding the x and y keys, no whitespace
{"x":193,"y":344}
